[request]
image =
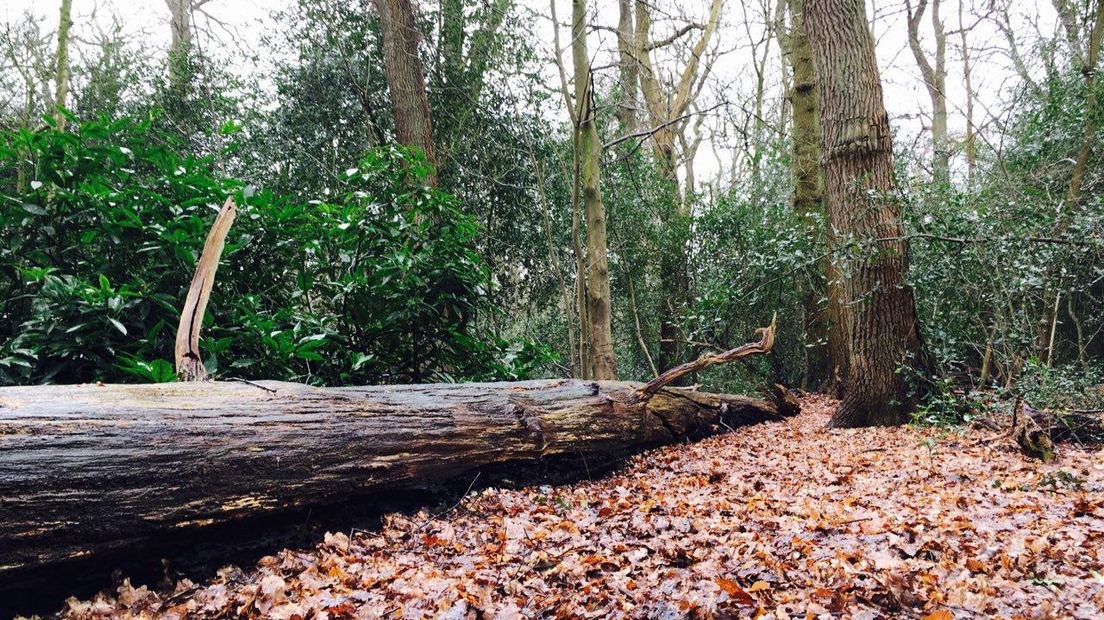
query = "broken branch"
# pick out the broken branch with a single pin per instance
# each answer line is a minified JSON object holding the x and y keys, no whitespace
{"x":189,"y":364}
{"x":766,"y":342}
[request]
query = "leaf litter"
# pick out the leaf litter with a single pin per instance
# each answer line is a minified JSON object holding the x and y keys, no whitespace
{"x":775,"y":521}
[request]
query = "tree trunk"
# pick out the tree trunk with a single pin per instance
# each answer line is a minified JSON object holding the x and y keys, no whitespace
{"x":180,"y":26}
{"x":406,"y":78}
{"x":61,"y":76}
{"x":628,"y":66}
{"x":858,"y":169}
{"x":968,"y":82}
{"x":664,"y":106}
{"x":589,"y":148}
{"x":823,"y":325}
{"x":935,"y":79}
{"x":87,"y":470}
{"x":1073,"y":195}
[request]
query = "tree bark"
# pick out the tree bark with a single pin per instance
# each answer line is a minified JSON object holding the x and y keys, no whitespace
{"x":93,"y":469}
{"x":406,"y":78}
{"x":61,"y":74}
{"x":935,"y":80}
{"x":968,"y":82}
{"x":858,"y":168}
{"x":628,"y":66}
{"x":823,"y":324}
{"x":589,"y":152}
{"x":189,"y":361}
{"x":180,"y":27}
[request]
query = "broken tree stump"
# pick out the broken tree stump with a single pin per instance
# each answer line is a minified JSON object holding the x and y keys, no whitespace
{"x":1032,"y":439}
{"x":92,"y":469}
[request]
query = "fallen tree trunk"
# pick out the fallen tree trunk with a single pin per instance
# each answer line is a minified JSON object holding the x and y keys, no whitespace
{"x":91,"y":469}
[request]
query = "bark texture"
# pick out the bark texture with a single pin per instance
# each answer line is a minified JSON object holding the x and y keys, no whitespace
{"x":91,"y":469}
{"x":189,"y":362}
{"x":61,"y":74}
{"x":859,"y":189}
{"x":824,"y":325}
{"x":589,"y":156}
{"x":627,"y":66}
{"x":406,"y":77}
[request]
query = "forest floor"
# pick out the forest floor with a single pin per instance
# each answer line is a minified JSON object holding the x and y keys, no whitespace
{"x":779,"y":520}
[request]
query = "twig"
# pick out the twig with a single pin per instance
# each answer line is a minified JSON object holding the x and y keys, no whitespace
{"x":248,"y":382}
{"x":985,"y":440}
{"x":849,"y":522}
{"x":451,"y":508}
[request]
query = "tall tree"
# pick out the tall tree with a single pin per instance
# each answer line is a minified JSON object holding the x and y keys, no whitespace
{"x":182,"y":32}
{"x":589,"y":156}
{"x":667,"y":107}
{"x":406,"y":77}
{"x":968,"y":82}
{"x":627,"y":65}
{"x":61,"y":76}
{"x":935,"y":81}
{"x":581,"y":312}
{"x":830,"y":364}
{"x":1086,"y":56}
{"x":859,"y":191}
{"x":1088,"y":61}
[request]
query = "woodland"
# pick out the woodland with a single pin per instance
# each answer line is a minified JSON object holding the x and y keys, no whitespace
{"x":324,"y":309}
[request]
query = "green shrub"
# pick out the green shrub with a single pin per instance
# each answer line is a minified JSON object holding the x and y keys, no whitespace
{"x":101,"y":228}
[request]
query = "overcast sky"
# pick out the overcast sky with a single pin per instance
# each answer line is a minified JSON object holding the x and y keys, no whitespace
{"x":237,"y":36}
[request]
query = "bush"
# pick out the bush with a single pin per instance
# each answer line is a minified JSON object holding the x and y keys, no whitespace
{"x":102,"y":226}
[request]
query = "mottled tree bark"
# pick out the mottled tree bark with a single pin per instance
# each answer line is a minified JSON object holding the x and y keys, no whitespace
{"x":589,"y":152}
{"x":406,"y":78}
{"x":860,"y":194}
{"x":825,"y":325}
{"x":87,"y":470}
{"x":61,"y":68}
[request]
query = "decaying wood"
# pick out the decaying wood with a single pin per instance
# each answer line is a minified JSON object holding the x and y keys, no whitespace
{"x":189,"y":364}
{"x":766,"y":342}
{"x":1034,"y":441}
{"x":88,"y":470}
{"x":1081,"y":427}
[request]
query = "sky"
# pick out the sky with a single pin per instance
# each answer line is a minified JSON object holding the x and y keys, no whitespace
{"x":233,"y":29}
